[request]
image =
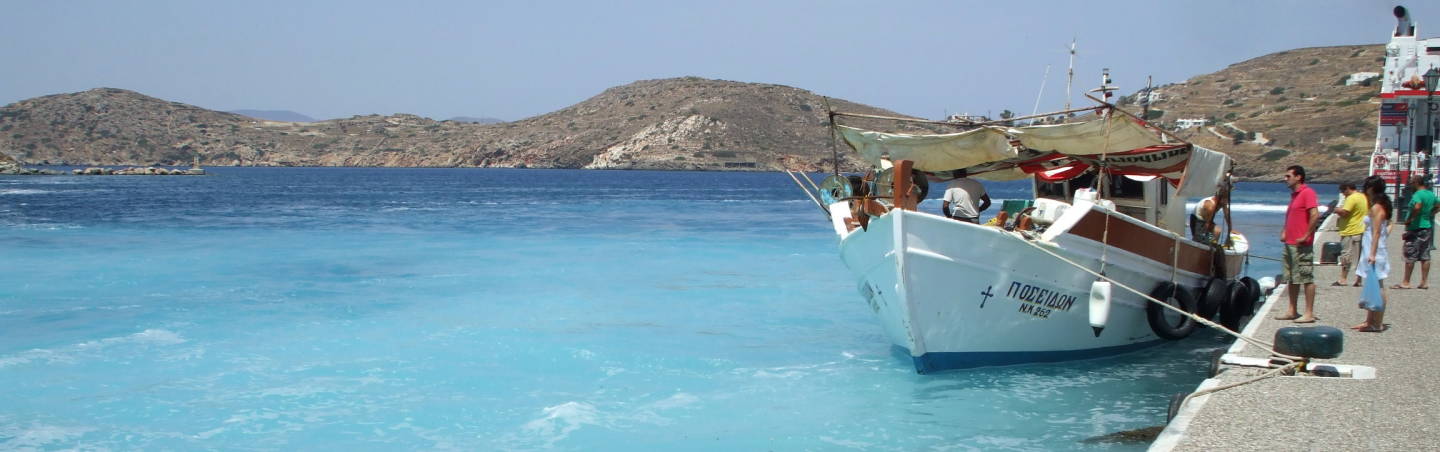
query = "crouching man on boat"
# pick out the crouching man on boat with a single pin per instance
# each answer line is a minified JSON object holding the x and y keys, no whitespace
{"x":1203,"y":227}
{"x":961,"y":199}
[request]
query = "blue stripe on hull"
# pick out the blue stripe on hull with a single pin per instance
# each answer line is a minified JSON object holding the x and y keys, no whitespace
{"x":940,"y":361}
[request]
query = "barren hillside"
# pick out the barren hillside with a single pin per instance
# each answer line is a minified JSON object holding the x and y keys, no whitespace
{"x":1285,"y":108}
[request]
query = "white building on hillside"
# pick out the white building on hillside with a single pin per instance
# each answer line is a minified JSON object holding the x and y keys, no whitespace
{"x":1358,"y":77}
{"x":1182,"y":124}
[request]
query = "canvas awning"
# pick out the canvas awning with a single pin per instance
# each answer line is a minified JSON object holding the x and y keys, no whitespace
{"x":1050,"y":152}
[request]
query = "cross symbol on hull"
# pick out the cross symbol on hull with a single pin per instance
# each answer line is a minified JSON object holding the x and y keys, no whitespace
{"x":986,"y":297}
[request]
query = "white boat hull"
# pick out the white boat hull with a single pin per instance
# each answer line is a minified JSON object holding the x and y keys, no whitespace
{"x":959,"y":295}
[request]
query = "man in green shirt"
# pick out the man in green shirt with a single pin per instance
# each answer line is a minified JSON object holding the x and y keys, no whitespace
{"x":1419,"y":233}
{"x":1351,"y":223}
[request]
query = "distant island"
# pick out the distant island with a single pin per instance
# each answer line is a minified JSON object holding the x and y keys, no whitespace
{"x":1293,"y":107}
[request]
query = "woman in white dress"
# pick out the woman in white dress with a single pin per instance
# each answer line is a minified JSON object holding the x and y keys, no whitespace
{"x":1374,"y":258}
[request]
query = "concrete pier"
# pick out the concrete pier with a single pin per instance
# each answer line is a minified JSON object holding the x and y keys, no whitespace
{"x":1397,"y":410}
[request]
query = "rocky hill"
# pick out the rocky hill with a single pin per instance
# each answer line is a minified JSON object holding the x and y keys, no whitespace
{"x":1282,"y":109}
{"x":684,"y":123}
{"x":274,"y":115}
{"x":474,"y":120}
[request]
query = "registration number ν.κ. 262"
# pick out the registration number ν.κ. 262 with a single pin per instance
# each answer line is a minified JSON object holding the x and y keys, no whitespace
{"x":1039,"y":301}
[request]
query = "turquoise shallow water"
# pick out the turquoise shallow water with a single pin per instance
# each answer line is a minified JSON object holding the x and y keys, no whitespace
{"x":384,"y":309}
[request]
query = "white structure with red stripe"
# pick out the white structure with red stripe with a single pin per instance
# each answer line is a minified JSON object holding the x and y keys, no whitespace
{"x":1404,"y":143}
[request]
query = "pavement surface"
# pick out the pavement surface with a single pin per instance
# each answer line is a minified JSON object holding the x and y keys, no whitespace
{"x":1397,"y":410}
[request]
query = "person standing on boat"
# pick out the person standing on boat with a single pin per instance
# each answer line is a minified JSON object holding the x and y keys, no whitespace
{"x":1419,"y":234}
{"x":1299,"y":238}
{"x":1374,"y":262}
{"x":961,"y":199}
{"x":1351,"y":213}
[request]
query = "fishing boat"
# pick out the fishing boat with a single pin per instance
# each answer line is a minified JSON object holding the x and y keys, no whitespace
{"x":1064,"y":275}
{"x":1405,"y":137}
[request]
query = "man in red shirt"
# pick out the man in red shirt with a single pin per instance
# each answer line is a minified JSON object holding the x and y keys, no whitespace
{"x":1299,"y":238}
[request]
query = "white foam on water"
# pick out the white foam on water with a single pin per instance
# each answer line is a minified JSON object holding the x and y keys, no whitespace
{"x":24,"y":191}
{"x":149,"y":337}
{"x":1008,"y":442}
{"x":1245,"y":207}
{"x":850,"y":444}
{"x":209,"y":433}
{"x":37,"y":435}
{"x":559,"y":421}
{"x":788,"y":374}
{"x":320,"y":386}
{"x":679,"y":400}
{"x":611,"y":371}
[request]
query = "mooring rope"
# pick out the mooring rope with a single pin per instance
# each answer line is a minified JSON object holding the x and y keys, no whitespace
{"x":1273,"y":373}
{"x":1266,"y":258}
{"x":1104,"y":176}
{"x":1201,"y":320}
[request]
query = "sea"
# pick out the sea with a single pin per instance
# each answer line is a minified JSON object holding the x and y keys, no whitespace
{"x":503,"y":309}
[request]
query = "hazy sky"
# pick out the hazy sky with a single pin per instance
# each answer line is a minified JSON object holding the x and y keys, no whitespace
{"x":512,"y":60}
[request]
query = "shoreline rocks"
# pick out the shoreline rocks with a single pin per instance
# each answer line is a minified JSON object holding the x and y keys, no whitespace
{"x":9,"y":168}
{"x":137,"y":171}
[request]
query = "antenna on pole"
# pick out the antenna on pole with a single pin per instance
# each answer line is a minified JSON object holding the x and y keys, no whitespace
{"x":1035,"y":110}
{"x":1106,"y":90}
{"x":1149,"y":87}
{"x":1070,"y":74}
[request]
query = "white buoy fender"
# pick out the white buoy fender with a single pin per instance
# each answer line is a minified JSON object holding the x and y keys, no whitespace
{"x":1266,"y":284}
{"x":1099,"y":305}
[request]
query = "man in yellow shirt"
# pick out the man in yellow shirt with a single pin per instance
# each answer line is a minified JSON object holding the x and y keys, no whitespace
{"x":1351,"y":223}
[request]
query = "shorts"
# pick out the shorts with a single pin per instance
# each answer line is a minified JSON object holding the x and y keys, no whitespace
{"x":1349,"y":249}
{"x":1417,"y":245}
{"x":1299,"y":263}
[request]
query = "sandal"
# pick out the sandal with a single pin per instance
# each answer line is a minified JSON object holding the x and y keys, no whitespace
{"x":1400,"y":287}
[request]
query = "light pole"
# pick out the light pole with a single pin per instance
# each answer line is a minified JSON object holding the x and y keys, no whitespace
{"x":1432,"y":77}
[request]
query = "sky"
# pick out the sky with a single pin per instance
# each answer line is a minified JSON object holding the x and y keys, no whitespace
{"x":516,"y":59}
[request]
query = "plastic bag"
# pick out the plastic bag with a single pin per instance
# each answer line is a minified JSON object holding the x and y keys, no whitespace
{"x":1370,"y":297}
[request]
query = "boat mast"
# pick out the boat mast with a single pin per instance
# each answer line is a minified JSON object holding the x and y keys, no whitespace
{"x":1106,"y":90}
{"x":1070,"y":74}
{"x":1043,"y":79}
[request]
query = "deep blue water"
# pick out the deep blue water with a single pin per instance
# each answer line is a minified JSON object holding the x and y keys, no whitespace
{"x":396,"y":309}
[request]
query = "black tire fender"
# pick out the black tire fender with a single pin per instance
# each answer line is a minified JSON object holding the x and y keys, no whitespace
{"x":1252,"y":293}
{"x":1213,"y":297}
{"x":1175,"y":296}
{"x":1232,"y":314}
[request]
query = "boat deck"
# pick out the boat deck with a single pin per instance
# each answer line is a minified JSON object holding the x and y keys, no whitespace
{"x":1398,"y":410}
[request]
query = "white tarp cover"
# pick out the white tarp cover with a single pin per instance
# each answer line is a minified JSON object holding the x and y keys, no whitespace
{"x":1204,"y":174}
{"x":931,"y":152}
{"x":1056,"y":152}
{"x":1088,"y":138}
{"x":987,"y":144}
